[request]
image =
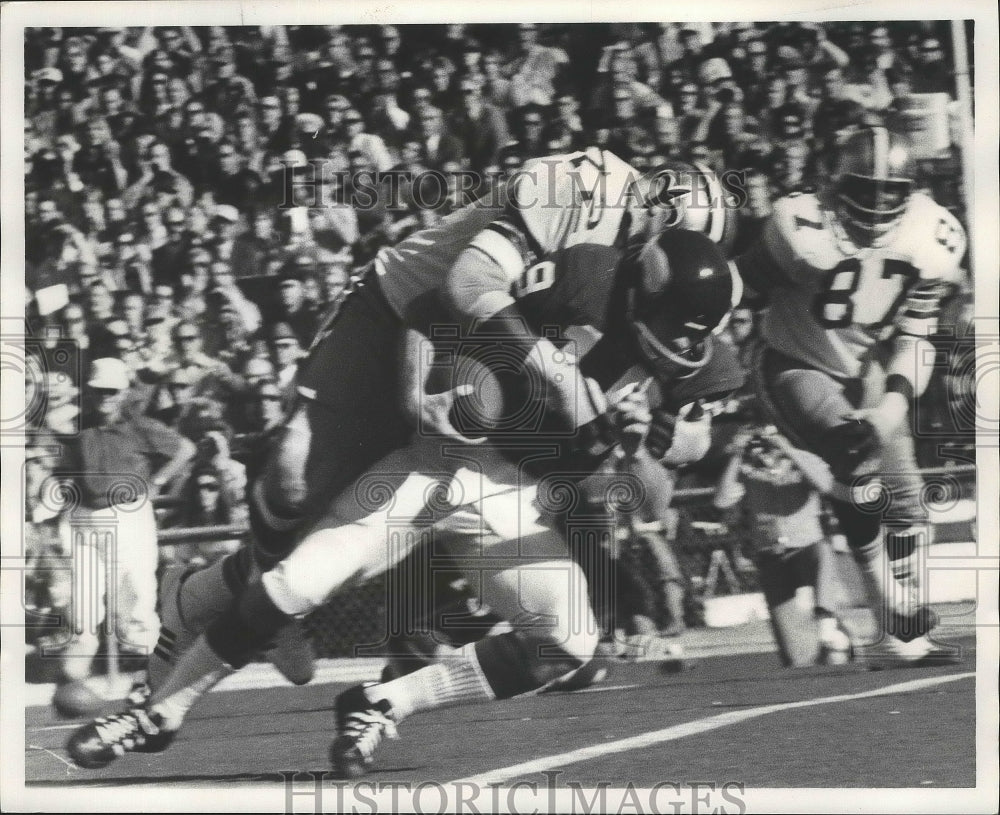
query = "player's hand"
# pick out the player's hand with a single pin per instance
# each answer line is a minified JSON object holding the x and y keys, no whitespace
{"x":633,"y":417}
{"x":884,"y":419}
{"x":739,"y":441}
{"x":848,"y":445}
{"x":692,"y":437}
{"x":431,"y":414}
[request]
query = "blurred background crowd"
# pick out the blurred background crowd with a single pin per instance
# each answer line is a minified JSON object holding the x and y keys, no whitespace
{"x":159,"y":228}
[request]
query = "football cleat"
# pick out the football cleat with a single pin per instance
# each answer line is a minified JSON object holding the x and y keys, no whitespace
{"x":361,"y":727}
{"x":138,"y":694}
{"x":97,"y":744}
{"x":595,"y":671}
{"x":891,"y":653}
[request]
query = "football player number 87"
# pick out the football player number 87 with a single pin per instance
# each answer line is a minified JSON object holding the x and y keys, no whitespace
{"x":834,"y":305}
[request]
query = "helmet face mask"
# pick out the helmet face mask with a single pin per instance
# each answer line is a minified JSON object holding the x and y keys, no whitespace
{"x":873,"y":181}
{"x":669,"y":358}
{"x":682,"y":291}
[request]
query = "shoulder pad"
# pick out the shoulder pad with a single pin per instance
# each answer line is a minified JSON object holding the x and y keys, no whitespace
{"x":933,"y":238}
{"x":554,"y":198}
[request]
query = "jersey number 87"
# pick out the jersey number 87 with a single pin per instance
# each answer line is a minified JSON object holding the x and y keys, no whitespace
{"x":835,"y":304}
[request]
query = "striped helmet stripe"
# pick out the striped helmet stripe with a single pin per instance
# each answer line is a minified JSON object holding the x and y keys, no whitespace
{"x":881,"y":148}
{"x":714,"y":226}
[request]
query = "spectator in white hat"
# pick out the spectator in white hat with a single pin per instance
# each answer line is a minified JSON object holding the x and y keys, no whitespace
{"x":118,"y":463}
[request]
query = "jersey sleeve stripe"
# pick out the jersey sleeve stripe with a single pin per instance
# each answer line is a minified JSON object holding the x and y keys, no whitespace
{"x":496,"y":244}
{"x":516,"y":220}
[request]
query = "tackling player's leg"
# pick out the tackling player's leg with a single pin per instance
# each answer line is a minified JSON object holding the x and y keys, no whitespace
{"x":809,"y":406}
{"x":333,"y":554}
{"x":540,"y":591}
{"x":325,"y":443}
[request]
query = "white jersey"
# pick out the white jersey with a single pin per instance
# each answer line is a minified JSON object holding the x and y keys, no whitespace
{"x":420,"y":263}
{"x":551,"y":205}
{"x":831,"y":301}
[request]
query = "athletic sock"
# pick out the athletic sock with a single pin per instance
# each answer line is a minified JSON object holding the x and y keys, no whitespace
{"x":196,"y":672}
{"x":189,"y":603}
{"x":884,"y":592}
{"x":457,"y":680}
{"x":826,"y":624}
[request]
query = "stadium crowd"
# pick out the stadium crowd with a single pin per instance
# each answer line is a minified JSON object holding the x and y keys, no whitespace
{"x":196,"y":198}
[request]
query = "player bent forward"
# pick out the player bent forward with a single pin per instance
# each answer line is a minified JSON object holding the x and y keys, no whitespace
{"x":486,"y":492}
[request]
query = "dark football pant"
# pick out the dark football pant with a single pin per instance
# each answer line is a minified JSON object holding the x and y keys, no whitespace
{"x":349,"y":417}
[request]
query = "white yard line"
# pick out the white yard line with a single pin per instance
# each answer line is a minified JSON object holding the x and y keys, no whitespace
{"x":693,"y":728}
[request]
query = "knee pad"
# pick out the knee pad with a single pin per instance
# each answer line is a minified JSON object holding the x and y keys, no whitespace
{"x":273,"y":535}
{"x":849,"y":448}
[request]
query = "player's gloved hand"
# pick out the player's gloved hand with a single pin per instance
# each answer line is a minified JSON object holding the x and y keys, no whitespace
{"x":661,"y":433}
{"x":848,"y":445}
{"x":431,"y":414}
{"x":632,"y":417}
{"x":691,"y":438}
{"x":886,"y":417}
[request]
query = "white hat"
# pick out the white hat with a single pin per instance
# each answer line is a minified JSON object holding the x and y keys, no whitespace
{"x":52,"y":298}
{"x":49,"y":75}
{"x":294,"y":158}
{"x":227,"y":212}
{"x":714,"y":69}
{"x":109,"y":373}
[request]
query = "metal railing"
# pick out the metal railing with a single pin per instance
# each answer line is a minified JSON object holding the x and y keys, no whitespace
{"x":682,"y":497}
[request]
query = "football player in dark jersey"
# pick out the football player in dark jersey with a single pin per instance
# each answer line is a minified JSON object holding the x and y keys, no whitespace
{"x":551,"y":257}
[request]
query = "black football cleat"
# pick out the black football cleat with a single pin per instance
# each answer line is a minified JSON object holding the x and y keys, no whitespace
{"x":139,"y":693}
{"x":361,"y":727}
{"x":97,"y":744}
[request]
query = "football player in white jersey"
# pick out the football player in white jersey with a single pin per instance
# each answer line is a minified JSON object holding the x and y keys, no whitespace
{"x":853,"y":277}
{"x":575,"y":244}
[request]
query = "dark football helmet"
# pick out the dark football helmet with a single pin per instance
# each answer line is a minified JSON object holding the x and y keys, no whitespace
{"x":873,"y":180}
{"x":681,"y":292}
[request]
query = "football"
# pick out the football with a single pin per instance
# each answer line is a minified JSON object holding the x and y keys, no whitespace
{"x":482,"y":410}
